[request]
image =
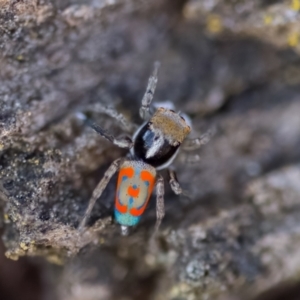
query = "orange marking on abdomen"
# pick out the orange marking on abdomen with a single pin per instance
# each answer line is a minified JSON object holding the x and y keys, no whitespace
{"x":147,"y":176}
{"x":126,"y":172}
{"x":137,"y":212}
{"x":132,"y":192}
{"x":120,"y":208}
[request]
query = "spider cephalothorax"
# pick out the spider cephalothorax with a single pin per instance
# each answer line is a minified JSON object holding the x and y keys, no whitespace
{"x":157,"y":142}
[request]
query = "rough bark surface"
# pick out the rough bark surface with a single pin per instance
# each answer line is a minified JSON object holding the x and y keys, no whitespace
{"x":231,"y":65}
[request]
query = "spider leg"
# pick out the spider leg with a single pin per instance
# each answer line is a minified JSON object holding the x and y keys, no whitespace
{"x":110,"y":111}
{"x":189,"y":158}
{"x":175,"y":185}
{"x":124,"y":142}
{"x":194,"y":144}
{"x":160,"y":205}
{"x":99,"y":190}
{"x":148,"y":96}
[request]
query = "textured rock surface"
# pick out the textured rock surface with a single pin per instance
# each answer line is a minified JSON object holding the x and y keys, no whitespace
{"x":230,"y":66}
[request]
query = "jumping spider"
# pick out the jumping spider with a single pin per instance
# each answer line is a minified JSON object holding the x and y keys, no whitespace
{"x":153,"y":147}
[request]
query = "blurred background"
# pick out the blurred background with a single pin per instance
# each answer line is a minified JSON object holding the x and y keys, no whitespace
{"x":232,"y":66}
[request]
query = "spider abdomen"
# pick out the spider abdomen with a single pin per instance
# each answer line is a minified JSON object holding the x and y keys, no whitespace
{"x":135,"y":184}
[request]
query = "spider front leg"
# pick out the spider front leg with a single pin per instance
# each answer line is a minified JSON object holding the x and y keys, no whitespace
{"x":124,"y":142}
{"x":110,"y":111}
{"x":194,"y":144}
{"x":148,"y":96}
{"x":188,"y":158}
{"x":160,"y":202}
{"x":99,"y":190}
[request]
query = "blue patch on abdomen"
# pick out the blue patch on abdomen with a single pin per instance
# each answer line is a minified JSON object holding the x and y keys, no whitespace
{"x":126,"y":219}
